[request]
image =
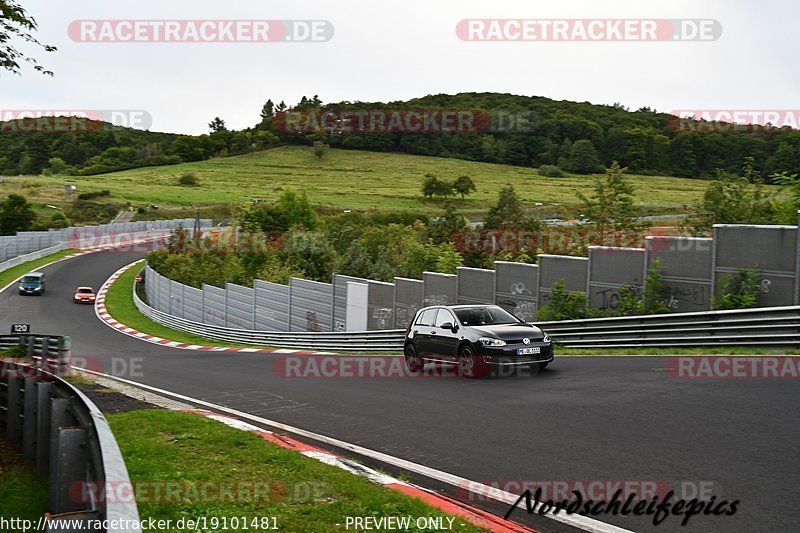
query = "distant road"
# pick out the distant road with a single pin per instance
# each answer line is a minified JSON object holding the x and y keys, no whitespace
{"x":559,"y":222}
{"x":124,"y":216}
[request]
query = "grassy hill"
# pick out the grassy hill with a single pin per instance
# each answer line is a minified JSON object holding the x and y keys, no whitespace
{"x":347,"y":179}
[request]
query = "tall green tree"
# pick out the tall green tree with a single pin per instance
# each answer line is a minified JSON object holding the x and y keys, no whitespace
{"x":735,"y":199}
{"x":611,"y":206}
{"x":508,"y":212}
{"x":464,"y":185}
{"x":583,"y":158}
{"x":291,"y":209}
{"x":16,"y":214}
{"x":442,"y":228}
{"x":217,"y":125}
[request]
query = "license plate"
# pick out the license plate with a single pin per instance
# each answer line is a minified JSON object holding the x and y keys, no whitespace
{"x":528,"y":351}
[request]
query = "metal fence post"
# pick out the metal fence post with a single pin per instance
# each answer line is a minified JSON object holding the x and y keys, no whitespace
{"x":65,"y":354}
{"x":29,"y":426}
{"x":13,"y":426}
{"x":60,"y":416}
{"x":45,"y":362}
{"x":43,"y":391}
{"x":69,"y":469}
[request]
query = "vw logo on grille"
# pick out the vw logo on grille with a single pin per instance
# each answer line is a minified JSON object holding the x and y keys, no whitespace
{"x":526,"y":340}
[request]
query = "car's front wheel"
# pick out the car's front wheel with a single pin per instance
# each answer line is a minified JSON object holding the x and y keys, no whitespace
{"x":470,"y":365}
{"x":413,"y":360}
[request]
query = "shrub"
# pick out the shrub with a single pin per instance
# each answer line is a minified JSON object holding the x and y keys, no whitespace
{"x":551,"y":171}
{"x":94,"y":194}
{"x":648,"y":300}
{"x":739,"y":291}
{"x":564,"y":305}
{"x":189,"y":179}
{"x":15,"y":352}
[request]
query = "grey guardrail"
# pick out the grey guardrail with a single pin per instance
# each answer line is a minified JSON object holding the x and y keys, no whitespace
{"x":70,"y":441}
{"x":38,"y":254}
{"x":767,"y":326}
{"x":390,"y":340}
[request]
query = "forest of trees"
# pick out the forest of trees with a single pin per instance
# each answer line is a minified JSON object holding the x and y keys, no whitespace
{"x":577,"y":137}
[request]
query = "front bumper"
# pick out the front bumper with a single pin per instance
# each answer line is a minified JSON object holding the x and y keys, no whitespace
{"x":30,"y":291}
{"x":507,"y":355}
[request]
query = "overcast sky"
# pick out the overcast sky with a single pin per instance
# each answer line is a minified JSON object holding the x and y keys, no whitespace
{"x":397,"y":50}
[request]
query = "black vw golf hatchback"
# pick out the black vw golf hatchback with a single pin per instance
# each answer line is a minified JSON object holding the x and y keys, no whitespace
{"x":476,"y":338}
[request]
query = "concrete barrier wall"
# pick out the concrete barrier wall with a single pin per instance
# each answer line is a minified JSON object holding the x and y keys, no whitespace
{"x":340,"y":282}
{"x":517,"y":288}
{"x":356,"y":318}
{"x":686,"y":270}
{"x":409,"y":295}
{"x":475,"y":285}
{"x":192,"y":304}
{"x":176,"y":298}
{"x":552,"y":268}
{"x":272,"y":306}
{"x":240,"y":306}
{"x":310,"y":305}
{"x":214,"y":306}
{"x":380,"y":301}
{"x":440,"y":289}
{"x":773,"y":249}
{"x":611,"y":268}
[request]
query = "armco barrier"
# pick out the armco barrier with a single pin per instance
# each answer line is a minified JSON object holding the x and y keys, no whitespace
{"x":11,"y":263}
{"x":52,"y":352}
{"x":27,"y":242}
{"x":70,"y":441}
{"x":763,"y":326}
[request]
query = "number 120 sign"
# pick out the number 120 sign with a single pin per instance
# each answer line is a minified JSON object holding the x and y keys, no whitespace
{"x":20,"y":328}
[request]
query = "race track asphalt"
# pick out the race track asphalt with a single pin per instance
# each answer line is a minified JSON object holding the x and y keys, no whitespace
{"x":585,"y":418}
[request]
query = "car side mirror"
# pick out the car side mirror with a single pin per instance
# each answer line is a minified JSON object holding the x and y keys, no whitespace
{"x":450,"y":326}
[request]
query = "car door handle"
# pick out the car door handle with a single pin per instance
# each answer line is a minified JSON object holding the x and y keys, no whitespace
{"x":433,"y":332}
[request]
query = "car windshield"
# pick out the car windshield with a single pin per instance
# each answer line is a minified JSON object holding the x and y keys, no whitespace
{"x":485,"y":316}
{"x":85,"y":291}
{"x":30,"y":279}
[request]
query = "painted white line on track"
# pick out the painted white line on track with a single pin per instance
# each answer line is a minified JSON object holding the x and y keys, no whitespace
{"x":581,"y":522}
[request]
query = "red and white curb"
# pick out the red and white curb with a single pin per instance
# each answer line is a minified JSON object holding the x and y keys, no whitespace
{"x":102,"y":313}
{"x":444,"y":503}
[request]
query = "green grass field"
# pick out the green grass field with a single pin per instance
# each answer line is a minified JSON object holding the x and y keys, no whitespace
{"x":23,"y":494}
{"x":255,"y":479}
{"x":120,"y":305}
{"x":342,"y":179}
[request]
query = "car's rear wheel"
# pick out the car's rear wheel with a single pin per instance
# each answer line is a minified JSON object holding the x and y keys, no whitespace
{"x":470,"y":365}
{"x":413,"y":360}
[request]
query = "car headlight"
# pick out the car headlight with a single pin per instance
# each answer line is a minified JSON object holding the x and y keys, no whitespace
{"x":546,"y":338}
{"x":491,"y":341}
